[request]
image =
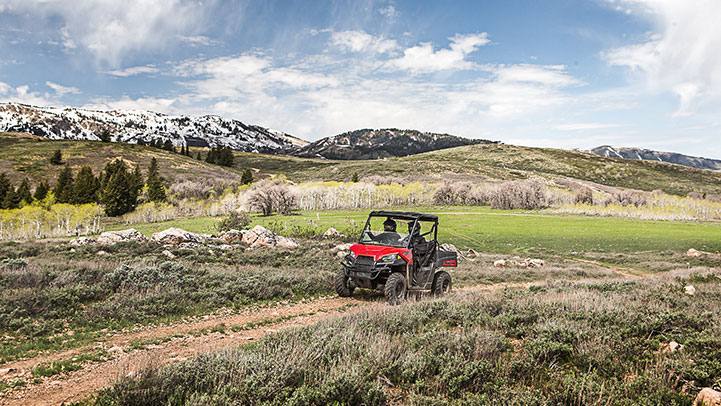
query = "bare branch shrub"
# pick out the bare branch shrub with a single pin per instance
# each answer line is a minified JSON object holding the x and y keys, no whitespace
{"x":521,"y":194}
{"x":268,"y":197}
{"x":627,"y":198}
{"x":583,"y":196}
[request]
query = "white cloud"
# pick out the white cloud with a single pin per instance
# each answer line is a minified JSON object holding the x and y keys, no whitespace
{"x":23,"y":94}
{"x":62,"y":90}
{"x":133,"y":70}
{"x":390,"y":12}
{"x":4,"y":88}
{"x":361,"y":41}
{"x":584,"y":126}
{"x":423,"y":58}
{"x":682,"y":55}
{"x":110,"y":29}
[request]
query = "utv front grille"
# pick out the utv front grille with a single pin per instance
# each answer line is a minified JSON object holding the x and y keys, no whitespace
{"x":363,"y":264}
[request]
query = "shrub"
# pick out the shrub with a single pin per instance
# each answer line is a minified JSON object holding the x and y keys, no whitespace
{"x":526,"y":194}
{"x":234,"y":221}
{"x":627,"y":198}
{"x":583,"y":196}
{"x":268,"y":197}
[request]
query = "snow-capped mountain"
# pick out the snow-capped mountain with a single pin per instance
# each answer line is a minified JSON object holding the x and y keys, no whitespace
{"x":650,"y":155}
{"x":132,"y":126}
{"x":382,"y":143}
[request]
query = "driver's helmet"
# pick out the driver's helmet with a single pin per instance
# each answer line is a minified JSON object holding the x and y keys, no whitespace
{"x":389,"y":225}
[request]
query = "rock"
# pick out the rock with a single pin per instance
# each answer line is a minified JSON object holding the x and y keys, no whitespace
{"x":81,"y":241}
{"x":535,"y":263}
{"x":261,"y":237}
{"x":693,"y":253}
{"x":471,"y":254}
{"x":341,"y":248}
{"x":450,"y":247}
{"x":332,"y":233}
{"x":225,"y":247}
{"x":501,"y":263}
{"x":690,"y":290}
{"x":232,"y":237}
{"x":7,"y":371}
{"x":177,"y":236}
{"x":671,"y":347}
{"x":168,"y":254}
{"x":114,"y":237}
{"x":102,"y":253}
{"x":115,"y":350}
{"x":708,"y":397}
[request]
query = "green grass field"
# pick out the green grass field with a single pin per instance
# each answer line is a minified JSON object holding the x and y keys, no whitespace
{"x":488,"y":230}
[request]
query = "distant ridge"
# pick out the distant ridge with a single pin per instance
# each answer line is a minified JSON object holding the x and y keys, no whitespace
{"x":651,"y":155}
{"x":382,"y":143}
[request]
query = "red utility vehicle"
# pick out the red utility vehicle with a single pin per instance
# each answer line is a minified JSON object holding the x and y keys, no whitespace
{"x":401,"y":262}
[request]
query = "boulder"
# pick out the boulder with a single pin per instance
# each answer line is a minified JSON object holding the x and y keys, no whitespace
{"x":535,"y":263}
{"x":81,"y":241}
{"x":472,"y":254}
{"x":232,"y":237}
{"x":708,"y":397}
{"x":261,"y":237}
{"x":693,"y":253}
{"x":332,"y":233}
{"x":168,"y":254}
{"x":114,"y":237}
{"x":501,"y":263}
{"x":671,"y":347}
{"x":177,"y":236}
{"x":341,"y":250}
{"x":690,"y":290}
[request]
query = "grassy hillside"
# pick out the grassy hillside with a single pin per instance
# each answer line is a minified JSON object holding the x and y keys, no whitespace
{"x":505,"y":162}
{"x":24,"y":155}
{"x":27,"y":156}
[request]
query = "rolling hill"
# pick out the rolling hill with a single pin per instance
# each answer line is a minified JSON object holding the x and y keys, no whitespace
{"x":28,"y":156}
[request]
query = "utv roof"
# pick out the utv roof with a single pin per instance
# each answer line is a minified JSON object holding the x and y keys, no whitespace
{"x":404,"y":215}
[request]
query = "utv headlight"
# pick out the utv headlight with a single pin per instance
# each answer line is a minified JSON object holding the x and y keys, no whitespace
{"x":389,"y":258}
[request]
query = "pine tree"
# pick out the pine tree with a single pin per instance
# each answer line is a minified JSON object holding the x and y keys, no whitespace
{"x":354,"y":178}
{"x":105,"y":135}
{"x":247,"y":177}
{"x":23,"y":194}
{"x":168,"y":146}
{"x":64,"y":187}
{"x":57,"y":157}
{"x":210,"y":158}
{"x":86,"y":186}
{"x":156,"y":189}
{"x":198,"y":156}
{"x":120,"y":189}
{"x":41,"y":191}
{"x":4,"y":187}
{"x":10,"y":201}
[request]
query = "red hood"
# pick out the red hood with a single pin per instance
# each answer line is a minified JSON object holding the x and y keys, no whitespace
{"x":378,"y":251}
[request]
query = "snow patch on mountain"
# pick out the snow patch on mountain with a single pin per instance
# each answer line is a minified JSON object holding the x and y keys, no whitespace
{"x":133,"y":126}
{"x":651,"y":155}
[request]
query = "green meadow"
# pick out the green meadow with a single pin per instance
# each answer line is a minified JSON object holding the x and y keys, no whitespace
{"x":489,"y":230}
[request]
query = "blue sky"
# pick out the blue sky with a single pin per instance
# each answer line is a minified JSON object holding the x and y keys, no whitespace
{"x":569,"y":74}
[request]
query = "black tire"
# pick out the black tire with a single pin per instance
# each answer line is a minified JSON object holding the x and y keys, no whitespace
{"x":442,"y":283}
{"x":395,"y":288}
{"x":342,"y":288}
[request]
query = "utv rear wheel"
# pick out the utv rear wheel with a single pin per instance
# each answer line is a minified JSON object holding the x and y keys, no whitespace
{"x":395,"y":289}
{"x":441,"y":283}
{"x":342,"y":285}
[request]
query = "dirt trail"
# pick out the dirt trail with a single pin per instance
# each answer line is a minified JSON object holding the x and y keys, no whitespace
{"x":183,"y":342}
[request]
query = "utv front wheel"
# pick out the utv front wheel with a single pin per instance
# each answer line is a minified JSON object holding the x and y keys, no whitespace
{"x":441,"y":283}
{"x":342,"y":286}
{"x":395,"y":289}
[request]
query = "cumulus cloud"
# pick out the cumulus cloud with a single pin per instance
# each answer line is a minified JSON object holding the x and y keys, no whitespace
{"x":133,"y":71}
{"x":361,"y":41}
{"x":681,"y":55}
{"x":423,"y":58}
{"x":62,"y":90}
{"x":110,"y":29}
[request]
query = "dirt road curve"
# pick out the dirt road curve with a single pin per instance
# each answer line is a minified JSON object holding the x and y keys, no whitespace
{"x":184,"y":340}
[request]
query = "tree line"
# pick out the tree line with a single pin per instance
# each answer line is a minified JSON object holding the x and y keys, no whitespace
{"x":118,"y":188}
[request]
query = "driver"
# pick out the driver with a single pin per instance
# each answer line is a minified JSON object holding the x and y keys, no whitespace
{"x":414,"y":233}
{"x":389,"y":234}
